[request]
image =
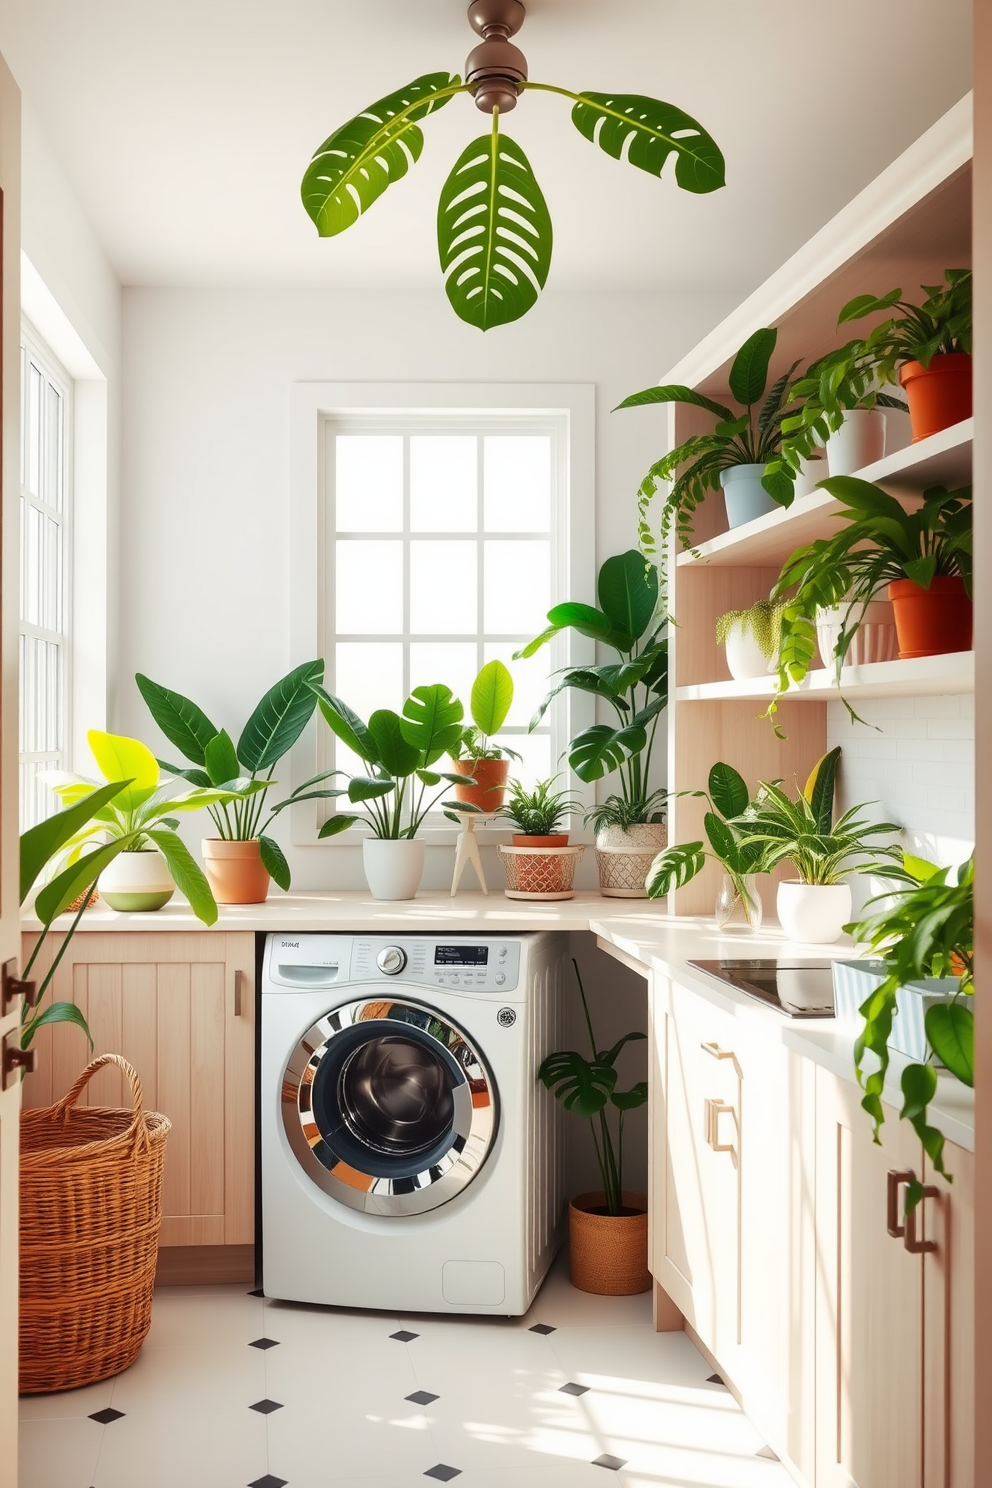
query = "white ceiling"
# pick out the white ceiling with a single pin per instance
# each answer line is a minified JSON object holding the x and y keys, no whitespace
{"x":185,"y":127}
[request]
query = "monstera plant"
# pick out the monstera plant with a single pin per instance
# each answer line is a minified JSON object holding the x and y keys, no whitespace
{"x":494,"y":228}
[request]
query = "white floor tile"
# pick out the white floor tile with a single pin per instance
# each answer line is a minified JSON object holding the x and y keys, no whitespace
{"x":182,"y":1315}
{"x":66,"y":1403}
{"x":58,"y":1454}
{"x":562,"y":1305}
{"x":209,"y":1448}
{"x":166,"y":1381}
{"x":340,"y":1443}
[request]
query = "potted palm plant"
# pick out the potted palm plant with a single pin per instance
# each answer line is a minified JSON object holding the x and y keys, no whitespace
{"x":242,"y":858}
{"x":540,"y":864}
{"x":632,"y":624}
{"x":608,"y":1229}
{"x":735,"y":456}
{"x":484,"y":764}
{"x":400,"y":785}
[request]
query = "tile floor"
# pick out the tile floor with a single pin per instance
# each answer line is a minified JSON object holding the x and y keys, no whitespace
{"x":237,"y":1391}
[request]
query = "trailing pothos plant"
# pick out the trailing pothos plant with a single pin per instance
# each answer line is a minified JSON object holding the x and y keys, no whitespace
{"x":632,"y":622}
{"x":749,"y":435}
{"x":926,"y":930}
{"x":493,"y":225}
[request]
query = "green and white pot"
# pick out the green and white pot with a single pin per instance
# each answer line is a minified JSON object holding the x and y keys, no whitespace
{"x":136,"y":882}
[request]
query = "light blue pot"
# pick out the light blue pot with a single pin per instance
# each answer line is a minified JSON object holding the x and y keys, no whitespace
{"x":855,"y":981}
{"x":744,"y":494}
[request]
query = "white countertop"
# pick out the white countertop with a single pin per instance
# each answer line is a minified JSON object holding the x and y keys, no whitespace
{"x":639,"y":930}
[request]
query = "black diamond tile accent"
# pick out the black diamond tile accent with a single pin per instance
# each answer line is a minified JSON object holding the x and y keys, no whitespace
{"x":269,"y":1482}
{"x":264,"y":1343}
{"x":613,"y":1463}
{"x":422,"y":1397}
{"x":106,"y":1416}
{"x":542,"y":1328}
{"x":443,"y":1473}
{"x":714,"y":1379}
{"x":266,"y":1407}
{"x":258,"y":1293}
{"x":403,"y":1336}
{"x":573,"y":1389}
{"x":769,"y":1454}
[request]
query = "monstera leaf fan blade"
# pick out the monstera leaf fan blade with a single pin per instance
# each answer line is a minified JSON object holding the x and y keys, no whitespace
{"x":354,"y":166}
{"x":494,"y":233}
{"x":647,"y":132}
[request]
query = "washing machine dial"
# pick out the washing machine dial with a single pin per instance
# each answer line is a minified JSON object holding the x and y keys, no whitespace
{"x":391,"y":960}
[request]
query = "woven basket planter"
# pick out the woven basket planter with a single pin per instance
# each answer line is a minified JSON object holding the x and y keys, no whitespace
{"x":625,"y":856}
{"x":609,"y":1253}
{"x":90,"y":1212}
{"x":539,"y":872}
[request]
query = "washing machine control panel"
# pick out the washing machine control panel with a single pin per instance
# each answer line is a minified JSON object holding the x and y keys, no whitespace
{"x":462,"y":963}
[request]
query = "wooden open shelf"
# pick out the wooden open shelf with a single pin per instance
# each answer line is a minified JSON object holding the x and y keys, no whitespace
{"x":926,"y":676}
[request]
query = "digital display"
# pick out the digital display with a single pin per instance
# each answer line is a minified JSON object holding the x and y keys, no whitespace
{"x":461,"y":955}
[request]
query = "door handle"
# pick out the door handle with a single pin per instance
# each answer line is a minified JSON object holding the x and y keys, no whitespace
{"x":894,"y":1181}
{"x":238,"y":980}
{"x":912,"y":1243}
{"x":714,"y":1110}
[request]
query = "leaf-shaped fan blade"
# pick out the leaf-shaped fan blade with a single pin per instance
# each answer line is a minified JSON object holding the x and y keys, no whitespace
{"x":646,"y":132}
{"x":354,"y":166}
{"x":494,"y":233}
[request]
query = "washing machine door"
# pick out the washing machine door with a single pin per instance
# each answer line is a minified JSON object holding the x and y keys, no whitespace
{"x":388,"y":1107}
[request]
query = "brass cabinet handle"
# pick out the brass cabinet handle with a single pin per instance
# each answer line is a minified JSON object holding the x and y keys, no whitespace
{"x":894,"y":1181}
{"x":715,"y":1052}
{"x":238,"y":979}
{"x":714,"y":1110}
{"x":914,"y":1245}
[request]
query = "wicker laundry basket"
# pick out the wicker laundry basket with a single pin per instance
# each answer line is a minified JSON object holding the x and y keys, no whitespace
{"x":91,"y":1208}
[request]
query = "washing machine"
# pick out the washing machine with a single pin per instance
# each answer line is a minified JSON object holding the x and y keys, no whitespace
{"x":410,"y":1159}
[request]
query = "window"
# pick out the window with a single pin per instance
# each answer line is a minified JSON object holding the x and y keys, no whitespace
{"x":45,"y":550}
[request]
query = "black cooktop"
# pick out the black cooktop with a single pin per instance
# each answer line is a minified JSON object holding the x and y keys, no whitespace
{"x":800,"y":989}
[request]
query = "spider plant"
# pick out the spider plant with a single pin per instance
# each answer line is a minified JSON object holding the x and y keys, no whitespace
{"x":538,"y":812}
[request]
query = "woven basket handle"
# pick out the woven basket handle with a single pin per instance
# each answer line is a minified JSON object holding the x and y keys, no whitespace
{"x":138,"y":1130}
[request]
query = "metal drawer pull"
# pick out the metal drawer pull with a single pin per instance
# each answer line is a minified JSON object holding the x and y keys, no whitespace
{"x":238,"y":978}
{"x":714,"y":1110}
{"x":912,"y":1244}
{"x":716,"y":1052}
{"x":894,"y":1182}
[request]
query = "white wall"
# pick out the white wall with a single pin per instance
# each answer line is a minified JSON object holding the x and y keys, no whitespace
{"x":204,"y":552}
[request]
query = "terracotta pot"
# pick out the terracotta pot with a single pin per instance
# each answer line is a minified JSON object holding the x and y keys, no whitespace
{"x":938,"y":395}
{"x":609,"y":1253}
{"x":557,"y":839}
{"x":930,"y":622}
{"x":234,"y":871}
{"x":490,"y":782}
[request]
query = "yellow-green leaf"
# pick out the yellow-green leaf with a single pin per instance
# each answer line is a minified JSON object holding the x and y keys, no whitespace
{"x":120,"y":758}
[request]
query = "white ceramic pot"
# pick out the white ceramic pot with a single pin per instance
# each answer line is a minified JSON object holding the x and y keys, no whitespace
{"x":812,"y":469}
{"x":859,"y":441}
{"x":136,"y":882}
{"x":814,"y":914}
{"x":874,"y":640}
{"x":624,"y":855}
{"x":745,"y":497}
{"x":393,"y":868}
{"x":745,"y":657}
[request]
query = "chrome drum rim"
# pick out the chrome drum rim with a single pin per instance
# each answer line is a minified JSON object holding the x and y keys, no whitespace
{"x":325,"y":1134}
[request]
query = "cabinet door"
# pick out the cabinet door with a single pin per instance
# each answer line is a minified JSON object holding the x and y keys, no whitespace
{"x":181,"y":1008}
{"x":869,"y":1306}
{"x":949,"y":1325}
{"x":695,"y":1162}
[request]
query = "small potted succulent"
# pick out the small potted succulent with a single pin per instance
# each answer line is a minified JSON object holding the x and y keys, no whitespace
{"x":540,"y":864}
{"x":608,"y":1229}
{"x":484,"y":764}
{"x":736,"y":456}
{"x":751,"y":639}
{"x":632,"y":624}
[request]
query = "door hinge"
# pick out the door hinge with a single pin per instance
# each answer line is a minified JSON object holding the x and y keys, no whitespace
{"x":12,"y":987}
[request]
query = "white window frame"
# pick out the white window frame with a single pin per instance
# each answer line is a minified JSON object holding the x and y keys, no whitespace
{"x":35,"y":350}
{"x":570,"y":407}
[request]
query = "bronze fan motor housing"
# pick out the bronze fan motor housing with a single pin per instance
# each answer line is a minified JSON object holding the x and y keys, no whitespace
{"x":496,"y":69}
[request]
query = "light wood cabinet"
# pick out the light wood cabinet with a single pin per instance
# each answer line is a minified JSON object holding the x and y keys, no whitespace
{"x":181,"y":1008}
{"x":949,"y":1325}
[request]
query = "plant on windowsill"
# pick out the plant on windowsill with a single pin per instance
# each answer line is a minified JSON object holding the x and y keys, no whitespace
{"x":484,"y":764}
{"x":608,"y":1235}
{"x":242,"y":858}
{"x":738,"y":455}
{"x":631,"y":622}
{"x":540,"y":864}
{"x":400,"y":786}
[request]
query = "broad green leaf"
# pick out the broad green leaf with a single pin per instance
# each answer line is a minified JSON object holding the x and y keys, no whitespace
{"x":221,"y":758}
{"x":181,"y":721}
{"x":610,"y":1056}
{"x":274,"y":862}
{"x":354,"y":166}
{"x":280,"y":717}
{"x":431,"y":721}
{"x":334,"y":825}
{"x":55,"y":1012}
{"x":362,"y":788}
{"x":674,"y":868}
{"x":583,"y":1086}
{"x":819,"y":789}
{"x":119,"y":758}
{"x":75,"y":880}
{"x":950,"y":1030}
{"x":866,"y":304}
{"x":722,"y":839}
{"x":589,"y":622}
{"x":494,"y":233}
{"x":189,"y":876}
{"x":920,"y":868}
{"x":40,"y":844}
{"x":749,"y":373}
{"x":629,"y":1100}
{"x":674,"y":392}
{"x":919,"y":1086}
{"x":647,"y":132}
{"x":396,"y":755}
{"x":492,"y":695}
{"x":628,"y":592}
{"x":346,"y":724}
{"x":535,"y":645}
{"x":600,"y":749}
{"x":728,"y":790}
{"x":195,"y":777}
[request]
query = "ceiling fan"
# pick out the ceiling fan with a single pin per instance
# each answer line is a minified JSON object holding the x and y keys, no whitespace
{"x":493,"y":225}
